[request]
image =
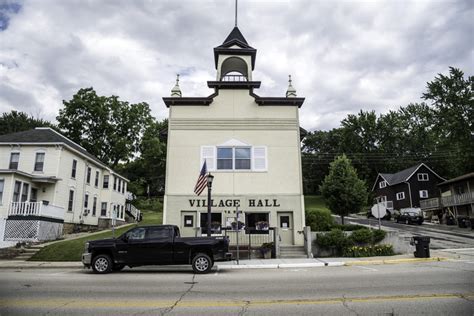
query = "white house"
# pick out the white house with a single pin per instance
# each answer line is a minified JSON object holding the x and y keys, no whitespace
{"x":251,"y":144}
{"x":47,"y":180}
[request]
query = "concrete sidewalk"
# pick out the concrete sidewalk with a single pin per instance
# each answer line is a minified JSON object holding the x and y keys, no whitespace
{"x":254,"y":263}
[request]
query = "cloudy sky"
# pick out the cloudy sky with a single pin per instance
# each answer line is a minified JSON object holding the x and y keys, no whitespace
{"x":344,"y":56}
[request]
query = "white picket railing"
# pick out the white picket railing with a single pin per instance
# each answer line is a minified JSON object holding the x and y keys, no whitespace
{"x":35,"y":209}
{"x":135,"y":212}
{"x":458,"y":199}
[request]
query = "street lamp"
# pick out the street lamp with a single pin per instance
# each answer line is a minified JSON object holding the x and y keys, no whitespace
{"x":210,"y":177}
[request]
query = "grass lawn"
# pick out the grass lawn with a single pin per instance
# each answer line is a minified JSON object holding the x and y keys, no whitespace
{"x":313,"y":202}
{"x":71,"y":250}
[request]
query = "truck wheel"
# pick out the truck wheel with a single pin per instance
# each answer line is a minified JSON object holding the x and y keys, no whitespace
{"x":202,"y":263}
{"x":102,"y":264}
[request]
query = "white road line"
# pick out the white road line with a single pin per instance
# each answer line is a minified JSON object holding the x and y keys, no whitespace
{"x":367,"y":268}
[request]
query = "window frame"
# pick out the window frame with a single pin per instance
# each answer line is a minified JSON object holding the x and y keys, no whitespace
{"x":74,"y":169}
{"x":423,"y":177}
{"x":88,"y":175}
{"x":10,"y":165}
{"x":382,"y":184}
{"x":16,"y":193}
{"x":105,"y":184}
{"x":86,"y":201}
{"x":103,"y":209}
{"x":234,"y":158}
{"x":96,"y":180}
{"x":39,"y":164}
{"x":421,"y":193}
{"x":94,"y":206}
{"x":400,"y":195}
{"x":70,"y":201}
{"x":2,"y":188}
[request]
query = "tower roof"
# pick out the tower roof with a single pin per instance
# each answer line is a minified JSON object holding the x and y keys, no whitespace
{"x":235,"y":38}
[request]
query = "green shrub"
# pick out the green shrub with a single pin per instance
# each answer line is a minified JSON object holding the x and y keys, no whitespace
{"x":362,"y":236}
{"x":319,"y":220}
{"x":378,"y":235}
{"x":335,"y":238}
{"x":368,"y":251}
{"x":349,"y":227}
{"x":152,"y":204}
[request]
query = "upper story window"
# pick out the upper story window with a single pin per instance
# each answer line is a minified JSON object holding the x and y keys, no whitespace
{"x":106,"y":182}
{"x":39,"y":161}
{"x":400,"y":196}
{"x":382,"y":184}
{"x":423,"y":194}
{"x":123,"y":186}
{"x":88,"y":178}
{"x":74,"y":168}
{"x":423,"y":177}
{"x":119,"y":185}
{"x":14,"y":159}
{"x":235,"y":158}
{"x":96,"y":182}
{"x":115,"y":183}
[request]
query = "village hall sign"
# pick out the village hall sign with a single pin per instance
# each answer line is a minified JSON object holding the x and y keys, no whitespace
{"x":234,"y":203}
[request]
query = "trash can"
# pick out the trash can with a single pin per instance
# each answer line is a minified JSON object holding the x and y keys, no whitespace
{"x":422,"y":244}
{"x":463,"y":221}
{"x":450,"y":220}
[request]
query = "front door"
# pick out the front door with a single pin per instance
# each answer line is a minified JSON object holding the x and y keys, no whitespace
{"x":188,"y":224}
{"x":285,"y":225}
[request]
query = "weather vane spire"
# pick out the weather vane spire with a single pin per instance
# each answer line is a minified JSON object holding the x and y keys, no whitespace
{"x":236,"y":13}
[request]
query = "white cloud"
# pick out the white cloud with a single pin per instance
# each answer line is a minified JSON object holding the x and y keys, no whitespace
{"x":343,"y":55}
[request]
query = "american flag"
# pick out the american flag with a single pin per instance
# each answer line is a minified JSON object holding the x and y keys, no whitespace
{"x":202,"y":180}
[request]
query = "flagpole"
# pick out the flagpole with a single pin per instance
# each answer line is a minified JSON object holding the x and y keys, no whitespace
{"x":209,"y":189}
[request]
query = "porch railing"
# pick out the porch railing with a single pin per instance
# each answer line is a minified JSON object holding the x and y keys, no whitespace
{"x":458,"y":199}
{"x":234,"y":78}
{"x":388,"y":204}
{"x":35,"y":209}
{"x":429,"y":204}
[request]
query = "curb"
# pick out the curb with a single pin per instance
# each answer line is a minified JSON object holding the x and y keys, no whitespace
{"x":280,"y":265}
{"x":393,"y":261}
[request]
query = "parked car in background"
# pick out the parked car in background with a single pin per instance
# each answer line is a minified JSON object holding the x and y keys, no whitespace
{"x":409,"y":218}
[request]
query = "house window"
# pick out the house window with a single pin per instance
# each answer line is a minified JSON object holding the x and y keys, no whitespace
{"x":88,"y":179}
{"x":115,"y":183}
{"x":423,"y":177}
{"x":74,"y":168}
{"x":39,"y":162}
{"x":24,"y":192}
{"x":34,"y":195}
{"x":106,"y":182}
{"x":94,"y":206}
{"x":123,"y":186}
{"x":70,"y":203}
{"x":86,"y":200}
{"x":103,"y":209}
{"x":382,"y":184}
{"x":96,"y":182}
{"x":14,"y":159}
{"x":400,"y":196}
{"x":235,"y":158}
{"x":119,"y":185}
{"x":216,"y":220}
{"x":121,"y":213}
{"x":16,"y":191}
{"x":2,"y":184}
{"x":257,"y":221}
{"x":423,"y":194}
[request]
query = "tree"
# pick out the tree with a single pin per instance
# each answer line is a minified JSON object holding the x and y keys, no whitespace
{"x":106,"y":127}
{"x":342,"y":189}
{"x":14,"y":121}
{"x":453,"y":100}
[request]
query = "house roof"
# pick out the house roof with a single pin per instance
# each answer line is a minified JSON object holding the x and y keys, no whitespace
{"x":235,"y":38}
{"x":466,"y":176}
{"x":235,"y":35}
{"x":32,"y":177}
{"x":402,"y":176}
{"x":48,"y":136}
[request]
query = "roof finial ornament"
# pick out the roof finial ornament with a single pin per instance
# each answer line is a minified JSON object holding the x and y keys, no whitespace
{"x":291,"y":91}
{"x":236,"y":13}
{"x":176,"y":91}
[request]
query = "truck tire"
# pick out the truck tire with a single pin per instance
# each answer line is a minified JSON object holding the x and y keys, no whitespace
{"x":202,"y":263}
{"x":102,"y":264}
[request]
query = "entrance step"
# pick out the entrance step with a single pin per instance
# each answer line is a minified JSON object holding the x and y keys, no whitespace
{"x":292,"y":252}
{"x":28,"y":253}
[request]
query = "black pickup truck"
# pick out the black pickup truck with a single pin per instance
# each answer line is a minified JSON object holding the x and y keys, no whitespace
{"x":155,"y":245}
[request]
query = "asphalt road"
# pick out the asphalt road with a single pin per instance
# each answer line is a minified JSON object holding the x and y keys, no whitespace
{"x":435,"y":288}
{"x":442,"y":236}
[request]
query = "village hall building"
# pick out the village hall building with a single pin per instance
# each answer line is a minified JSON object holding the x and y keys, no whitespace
{"x":251,"y":145}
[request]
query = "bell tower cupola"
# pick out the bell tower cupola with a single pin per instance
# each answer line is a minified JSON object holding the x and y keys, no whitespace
{"x":235,"y":58}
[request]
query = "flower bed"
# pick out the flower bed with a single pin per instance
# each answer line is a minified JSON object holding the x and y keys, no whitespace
{"x":368,"y":251}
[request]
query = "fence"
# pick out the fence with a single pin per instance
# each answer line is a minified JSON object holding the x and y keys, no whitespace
{"x":251,"y":240}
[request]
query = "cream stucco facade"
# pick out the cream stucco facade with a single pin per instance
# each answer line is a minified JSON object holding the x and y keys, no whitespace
{"x":265,"y":182}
